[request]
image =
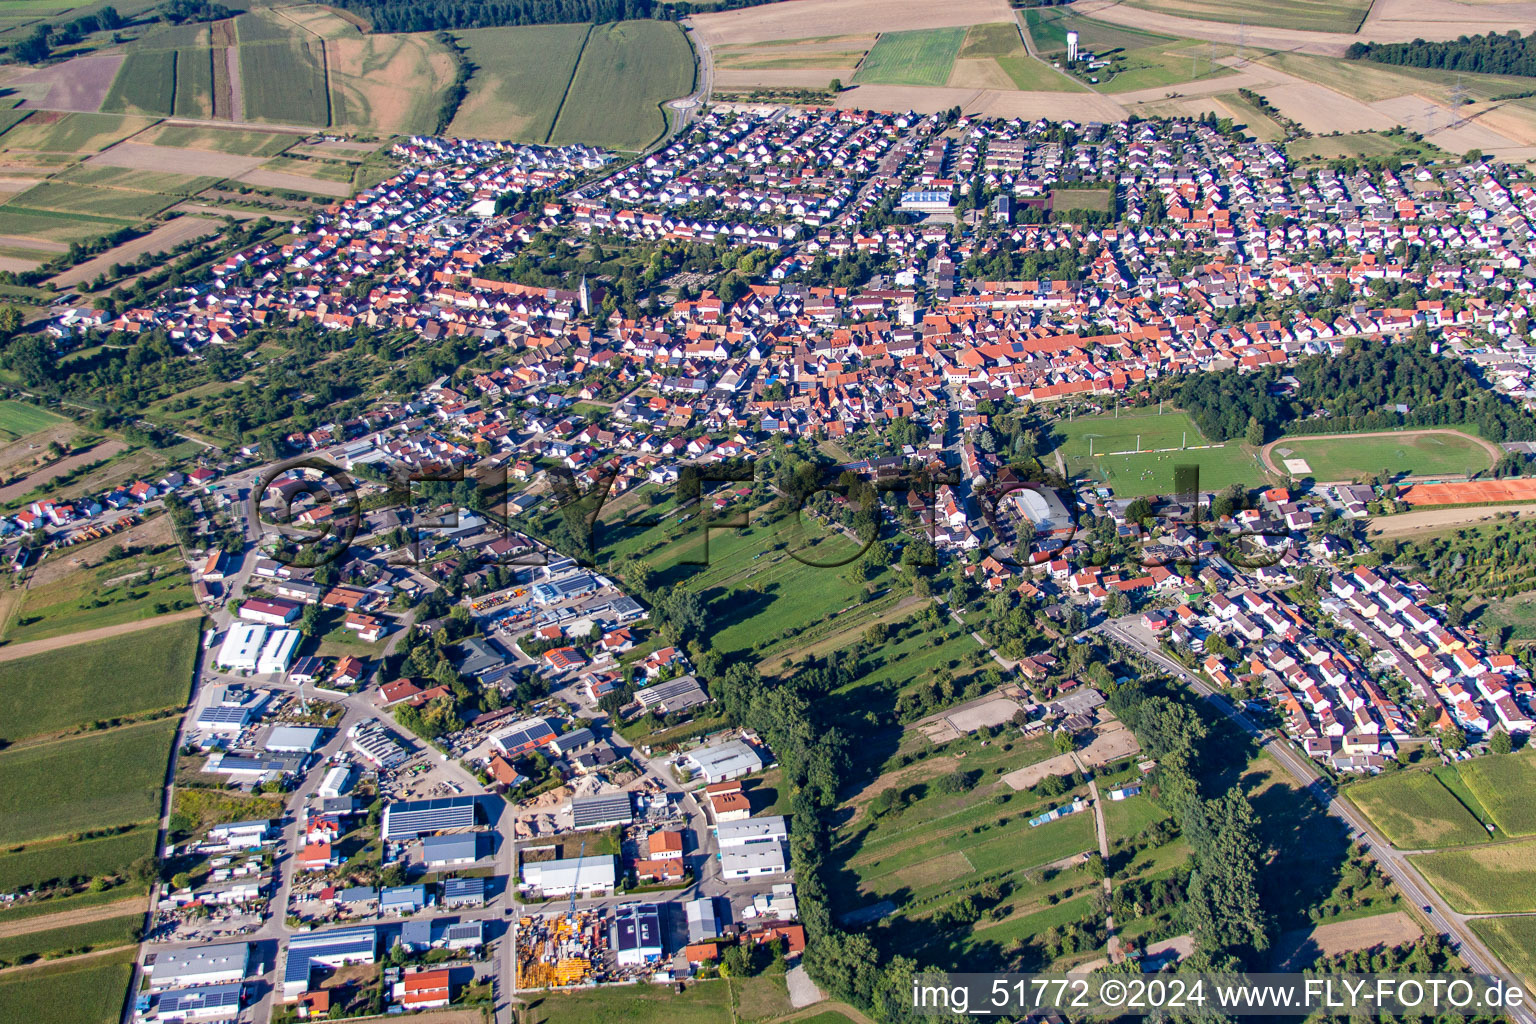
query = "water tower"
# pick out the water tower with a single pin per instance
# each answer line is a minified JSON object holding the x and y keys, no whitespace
{"x":1071,"y":47}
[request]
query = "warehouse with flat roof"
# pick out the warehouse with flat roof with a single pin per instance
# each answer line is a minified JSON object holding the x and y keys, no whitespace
{"x":209,"y":1002}
{"x":415,"y":818}
{"x":242,"y":647}
{"x":745,"y":831}
{"x":221,"y":963}
{"x":309,"y":950}
{"x":446,"y":851}
{"x":635,"y":934}
{"x":603,"y":811}
{"x":588,"y":876}
{"x":724,"y":761}
{"x":752,"y":860}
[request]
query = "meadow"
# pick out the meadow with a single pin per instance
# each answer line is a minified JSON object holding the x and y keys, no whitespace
{"x":103,"y":679}
{"x":917,"y":57}
{"x":627,"y":70}
{"x":93,"y":781}
{"x":1305,"y":15}
{"x":1415,"y":811}
{"x":1411,"y":452}
{"x":80,"y":992}
{"x":520,"y":76}
{"x":1497,"y":879}
{"x":1504,"y":784}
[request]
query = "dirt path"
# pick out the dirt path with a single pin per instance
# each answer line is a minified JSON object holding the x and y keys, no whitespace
{"x":1433,"y":520}
{"x":85,"y":915}
{"x":54,"y":643}
{"x":1267,"y":452}
{"x":92,"y":955}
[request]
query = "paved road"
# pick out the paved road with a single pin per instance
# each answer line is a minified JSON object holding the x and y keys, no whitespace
{"x":1395,"y":863}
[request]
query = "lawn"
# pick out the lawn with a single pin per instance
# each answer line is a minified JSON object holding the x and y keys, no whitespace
{"x":1411,"y":452}
{"x":94,"y":781}
{"x":1415,"y":811}
{"x":1123,"y":819}
{"x":36,"y":863}
{"x":919,"y":57}
{"x":1000,"y":46}
{"x":626,"y":72}
{"x":80,"y":992}
{"x":104,"y":679}
{"x":1165,"y":442}
{"x":1497,"y":879}
{"x":19,"y":419}
{"x":1504,"y":784}
{"x":79,"y":938}
{"x":145,"y":84}
{"x":1513,"y":940}
{"x":284,"y":81}
{"x":1097,"y":199}
{"x":1305,"y":15}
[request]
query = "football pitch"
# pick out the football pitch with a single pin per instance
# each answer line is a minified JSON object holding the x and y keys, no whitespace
{"x":1158,"y":443}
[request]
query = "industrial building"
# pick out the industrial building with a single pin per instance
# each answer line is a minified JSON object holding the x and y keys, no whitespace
{"x":253,"y":766}
{"x":309,"y":950}
{"x":221,"y":964}
{"x":463,"y":892}
{"x":604,"y":811}
{"x":675,"y":695}
{"x":752,"y":861}
{"x":209,"y":1002}
{"x":241,"y":647}
{"x":770,"y":828}
{"x":378,"y":745}
{"x":278,"y":651}
{"x":578,"y":585}
{"x":522,"y":737}
{"x":403,"y":899}
{"x":588,"y":876}
{"x":416,"y":818}
{"x":704,"y":920}
{"x":635,"y":934}
{"x":294,"y":738}
{"x":449,"y":851}
{"x":724,"y":761}
{"x":337,"y":781}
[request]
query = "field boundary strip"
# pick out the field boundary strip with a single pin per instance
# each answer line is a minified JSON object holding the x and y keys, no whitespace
{"x":566,"y":92}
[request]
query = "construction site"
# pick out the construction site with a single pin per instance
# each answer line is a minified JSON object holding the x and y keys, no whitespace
{"x":560,"y":949}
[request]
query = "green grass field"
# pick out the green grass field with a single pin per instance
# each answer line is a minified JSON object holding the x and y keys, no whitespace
{"x":116,"y":204}
{"x":55,"y":225}
{"x":1152,"y":471}
{"x":162,"y":182}
{"x":1513,"y":940}
{"x":94,"y":781}
{"x":145,"y":84}
{"x":19,"y":419}
{"x":284,"y":81}
{"x":1162,"y":63}
{"x":1504,"y":784}
{"x":1412,"y":452}
{"x":1416,"y":812}
{"x":1123,"y":819}
{"x":919,"y":57}
{"x":1498,"y":879}
{"x":80,"y":992}
{"x":80,"y":938}
{"x":704,"y":1002}
{"x":35,"y":863}
{"x":626,"y":72}
{"x":1098,"y":199}
{"x":104,"y":679}
{"x":1305,"y":15}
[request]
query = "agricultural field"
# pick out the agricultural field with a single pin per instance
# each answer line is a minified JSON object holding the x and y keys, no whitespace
{"x":145,"y":84}
{"x":194,"y":83}
{"x":626,"y":72}
{"x":1304,"y":15}
{"x":1259,"y":124}
{"x":705,"y":1002}
{"x":37,"y":863}
{"x":841,"y":53}
{"x":1152,"y":470}
{"x":107,"y":933}
{"x":282,"y":72}
{"x":1415,"y":811}
{"x":520,"y":77}
{"x":1496,"y":879}
{"x":1504,"y":784}
{"x":391,"y":84}
{"x":88,"y":782}
{"x":101,"y":203}
{"x":1513,"y":940}
{"x":71,"y":134}
{"x":994,"y":57}
{"x":79,"y":992}
{"x":1413,"y":453}
{"x":1166,"y":62}
{"x":46,"y":693}
{"x":922,"y":57}
{"x":235,"y":141}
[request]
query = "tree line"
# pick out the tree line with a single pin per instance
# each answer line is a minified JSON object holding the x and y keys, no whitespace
{"x":1372,"y":386}
{"x":1491,"y":54}
{"x":411,"y":16}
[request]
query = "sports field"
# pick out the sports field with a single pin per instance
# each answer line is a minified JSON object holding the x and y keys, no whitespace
{"x":921,"y":57}
{"x":95,"y":681}
{"x":1165,"y":442}
{"x":1503,"y":785}
{"x":1497,"y":879}
{"x":1306,"y":15}
{"x":626,"y":72}
{"x":94,"y":781}
{"x":1415,"y":811}
{"x":1413,"y":453}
